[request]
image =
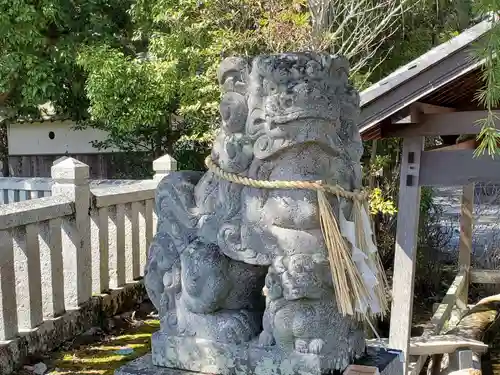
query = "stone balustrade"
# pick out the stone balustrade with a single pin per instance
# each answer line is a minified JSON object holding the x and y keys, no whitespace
{"x":58,"y":252}
{"x":18,"y":189}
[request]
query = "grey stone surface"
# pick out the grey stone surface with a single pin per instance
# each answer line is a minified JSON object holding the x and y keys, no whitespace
{"x":201,"y":355}
{"x":284,"y":117}
{"x":388,"y":364}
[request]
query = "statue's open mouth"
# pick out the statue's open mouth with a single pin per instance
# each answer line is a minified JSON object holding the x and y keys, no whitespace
{"x":300,"y":125}
{"x":281,"y":109}
{"x":289,"y":118}
{"x":284,"y":135}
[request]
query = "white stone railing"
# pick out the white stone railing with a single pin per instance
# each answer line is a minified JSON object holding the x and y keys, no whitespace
{"x":122,"y":217}
{"x":18,"y":189}
{"x":56,"y":252}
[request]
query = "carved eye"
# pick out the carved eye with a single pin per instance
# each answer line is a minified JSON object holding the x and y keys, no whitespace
{"x":259,"y":121}
{"x":270,"y":87}
{"x":231,"y":149}
{"x":313,"y":68}
{"x":225,"y":111}
{"x":287,"y":102}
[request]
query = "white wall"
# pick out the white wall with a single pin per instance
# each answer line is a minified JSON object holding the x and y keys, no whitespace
{"x":33,"y":139}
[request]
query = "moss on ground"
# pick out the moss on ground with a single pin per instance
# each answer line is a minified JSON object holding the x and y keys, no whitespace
{"x":102,"y":357}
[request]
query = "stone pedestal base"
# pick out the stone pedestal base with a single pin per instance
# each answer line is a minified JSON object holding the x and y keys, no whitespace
{"x":210,"y":357}
{"x":206,"y":357}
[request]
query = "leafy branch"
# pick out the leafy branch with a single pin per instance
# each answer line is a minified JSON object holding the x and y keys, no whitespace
{"x":489,"y":94}
{"x":356,"y":29}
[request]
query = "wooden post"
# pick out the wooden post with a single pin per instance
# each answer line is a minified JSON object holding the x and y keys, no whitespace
{"x":71,"y":178}
{"x":406,"y":247}
{"x":465,"y":248}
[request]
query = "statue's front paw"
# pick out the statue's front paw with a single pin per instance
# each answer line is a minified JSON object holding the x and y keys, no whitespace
{"x":301,"y":346}
{"x":167,"y":301}
{"x":239,"y":327}
{"x":314,"y":346}
{"x":170,"y":324}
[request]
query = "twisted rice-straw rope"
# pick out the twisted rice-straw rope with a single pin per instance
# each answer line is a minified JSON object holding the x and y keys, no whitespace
{"x":355,"y":195}
{"x":348,"y":283}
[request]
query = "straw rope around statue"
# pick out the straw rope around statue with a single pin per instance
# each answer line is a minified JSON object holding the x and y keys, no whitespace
{"x":357,"y":274}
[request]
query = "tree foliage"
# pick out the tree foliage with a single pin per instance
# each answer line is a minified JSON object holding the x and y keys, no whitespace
{"x":169,"y":85}
{"x":489,"y":94}
{"x":39,"y":43}
{"x":131,"y":98}
{"x":356,"y":29}
{"x":426,"y":24}
{"x":145,"y":70}
{"x":183,"y":42}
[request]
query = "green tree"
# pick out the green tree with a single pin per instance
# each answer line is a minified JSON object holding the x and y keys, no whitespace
{"x":426,"y":24}
{"x":40,"y":41}
{"x":163,"y":97}
{"x":489,"y":94}
{"x":145,"y":70}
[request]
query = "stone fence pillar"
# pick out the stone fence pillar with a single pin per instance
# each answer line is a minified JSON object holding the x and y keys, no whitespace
{"x":71,"y":178}
{"x":163,"y":166}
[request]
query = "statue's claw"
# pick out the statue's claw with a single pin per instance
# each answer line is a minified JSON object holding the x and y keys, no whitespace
{"x":306,"y":346}
{"x":301,"y":346}
{"x":316,"y":346}
{"x":313,"y":346}
{"x":266,"y":339}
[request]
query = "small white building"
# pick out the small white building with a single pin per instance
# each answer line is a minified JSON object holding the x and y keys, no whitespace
{"x":34,"y":144}
{"x":52,"y":138}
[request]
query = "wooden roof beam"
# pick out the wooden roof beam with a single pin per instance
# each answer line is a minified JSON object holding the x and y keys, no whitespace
{"x":452,"y":123}
{"x":457,"y":168}
{"x":431,"y":109}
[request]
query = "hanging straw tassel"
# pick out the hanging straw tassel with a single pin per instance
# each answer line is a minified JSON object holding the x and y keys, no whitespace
{"x":382,"y":277}
{"x":350,"y":288}
{"x":360,"y":208}
{"x":348,"y":284}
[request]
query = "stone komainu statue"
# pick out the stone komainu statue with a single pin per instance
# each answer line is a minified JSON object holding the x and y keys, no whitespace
{"x":219,"y":243}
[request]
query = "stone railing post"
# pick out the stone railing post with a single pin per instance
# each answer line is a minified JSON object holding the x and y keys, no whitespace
{"x":163,"y":166}
{"x":71,"y":178}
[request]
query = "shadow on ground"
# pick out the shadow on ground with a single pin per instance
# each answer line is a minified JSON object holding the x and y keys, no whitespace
{"x":101,"y":352}
{"x":104,"y":357}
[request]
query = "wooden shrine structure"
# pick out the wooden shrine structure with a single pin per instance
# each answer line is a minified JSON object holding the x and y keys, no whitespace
{"x":433,"y":95}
